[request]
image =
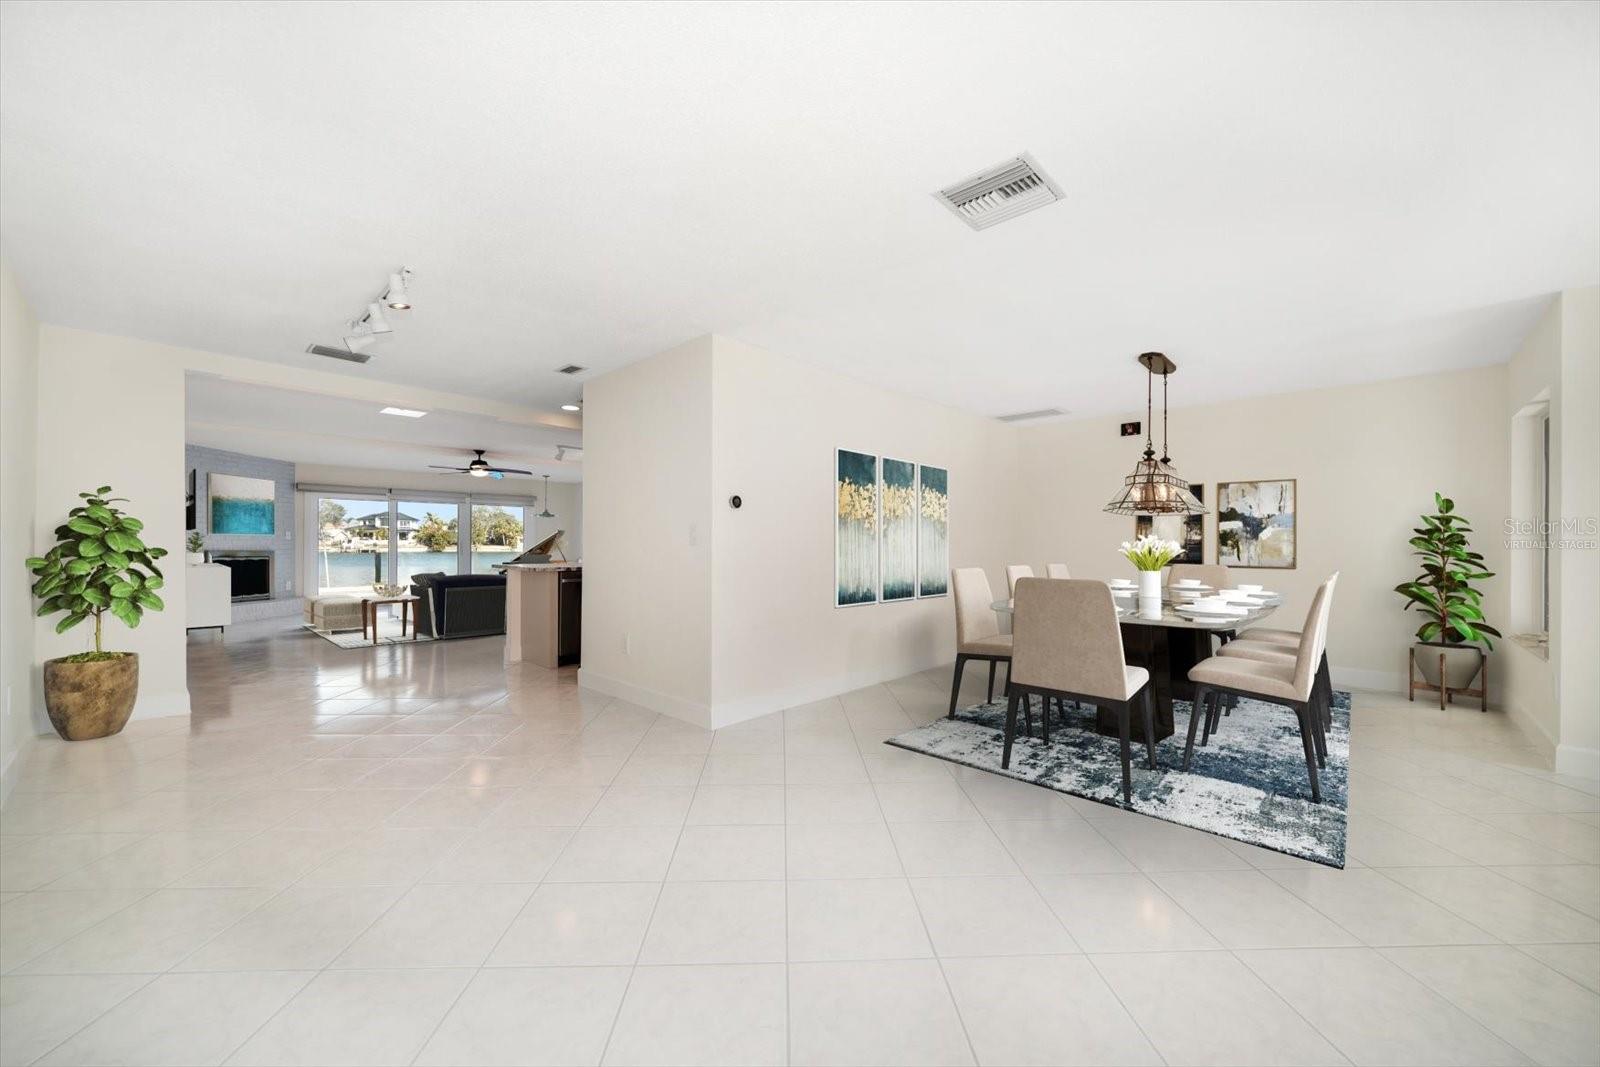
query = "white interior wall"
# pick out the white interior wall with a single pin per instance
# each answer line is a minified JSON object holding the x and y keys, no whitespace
{"x":648,"y":552}
{"x":1367,"y":460}
{"x":1528,"y":674}
{"x":110,"y":412}
{"x":19,"y":380}
{"x":777,"y":638}
{"x":1579,"y":599}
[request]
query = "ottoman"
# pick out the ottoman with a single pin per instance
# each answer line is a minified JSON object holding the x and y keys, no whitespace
{"x":333,"y":613}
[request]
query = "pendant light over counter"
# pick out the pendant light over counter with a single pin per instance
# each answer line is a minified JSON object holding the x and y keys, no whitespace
{"x":546,"y":513}
{"x":1155,"y":487}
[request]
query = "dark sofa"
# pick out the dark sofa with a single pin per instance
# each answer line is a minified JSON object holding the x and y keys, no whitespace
{"x":460,"y":605}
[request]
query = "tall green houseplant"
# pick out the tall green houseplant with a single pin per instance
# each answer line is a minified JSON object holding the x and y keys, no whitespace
{"x":1452,"y":607}
{"x":98,"y":566}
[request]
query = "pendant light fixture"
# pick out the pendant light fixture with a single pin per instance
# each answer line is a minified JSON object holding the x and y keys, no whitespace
{"x":547,"y":513}
{"x":1155,"y":487}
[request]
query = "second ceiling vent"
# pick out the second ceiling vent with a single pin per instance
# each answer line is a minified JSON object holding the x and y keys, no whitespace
{"x":1000,"y":193}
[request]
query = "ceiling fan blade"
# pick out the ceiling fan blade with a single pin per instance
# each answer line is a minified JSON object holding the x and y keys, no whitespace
{"x":437,"y":467}
{"x":509,"y":470}
{"x":496,"y":475}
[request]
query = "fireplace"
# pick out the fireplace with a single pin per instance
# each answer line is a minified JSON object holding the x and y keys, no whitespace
{"x":252,"y":573}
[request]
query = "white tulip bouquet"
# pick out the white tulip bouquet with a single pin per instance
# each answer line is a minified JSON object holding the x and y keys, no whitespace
{"x":1150,"y":553}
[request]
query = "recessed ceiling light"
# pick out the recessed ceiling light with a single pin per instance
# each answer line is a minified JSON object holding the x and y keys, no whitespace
{"x":571,"y":407}
{"x":408,"y":413}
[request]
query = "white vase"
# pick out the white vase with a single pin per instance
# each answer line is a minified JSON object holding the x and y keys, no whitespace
{"x":196,"y":558}
{"x":1150,"y":585}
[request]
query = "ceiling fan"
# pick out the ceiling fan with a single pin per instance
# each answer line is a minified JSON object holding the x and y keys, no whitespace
{"x":479,"y":468}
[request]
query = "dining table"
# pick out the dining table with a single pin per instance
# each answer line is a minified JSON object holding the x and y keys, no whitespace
{"x":1166,"y":644}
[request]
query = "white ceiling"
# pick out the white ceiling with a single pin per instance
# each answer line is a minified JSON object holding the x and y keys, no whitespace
{"x":1278,"y":196}
{"x":304,"y":427}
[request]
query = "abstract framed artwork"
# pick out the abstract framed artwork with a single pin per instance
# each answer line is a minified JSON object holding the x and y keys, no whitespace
{"x":1256,"y":523}
{"x":1188,"y":530}
{"x":855,"y":513}
{"x":897,"y":502}
{"x":933,"y":531}
{"x":242,"y":505}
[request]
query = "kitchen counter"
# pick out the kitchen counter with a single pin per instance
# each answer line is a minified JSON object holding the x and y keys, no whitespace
{"x":544,"y":613}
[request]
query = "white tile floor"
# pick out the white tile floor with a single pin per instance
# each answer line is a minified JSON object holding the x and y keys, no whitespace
{"x":411,"y":855}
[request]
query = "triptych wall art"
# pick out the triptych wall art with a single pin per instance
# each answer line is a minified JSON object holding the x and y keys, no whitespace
{"x":892,"y":529}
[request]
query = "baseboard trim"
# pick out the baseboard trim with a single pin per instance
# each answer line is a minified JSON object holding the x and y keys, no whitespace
{"x":10,"y":771}
{"x":689,"y":711}
{"x":1577,"y":760}
{"x":161,"y":705}
{"x":1377,"y":681}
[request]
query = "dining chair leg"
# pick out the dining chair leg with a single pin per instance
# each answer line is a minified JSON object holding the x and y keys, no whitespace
{"x":990,"y":698}
{"x":1325,"y":680}
{"x":1304,"y":713}
{"x":955,"y":684}
{"x":1044,"y":720}
{"x":1199,"y":703}
{"x":1011,"y":726}
{"x":1207,"y":709}
{"x":1221,"y":704}
{"x":1318,"y":734}
{"x":1127,"y":752}
{"x":1027,"y":714}
{"x":1150,"y":726}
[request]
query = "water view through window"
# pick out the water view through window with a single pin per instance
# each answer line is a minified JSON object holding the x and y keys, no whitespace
{"x":362,"y":541}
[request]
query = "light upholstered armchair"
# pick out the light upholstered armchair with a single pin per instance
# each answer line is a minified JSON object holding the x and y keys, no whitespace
{"x":1290,"y":684}
{"x":1068,"y":646}
{"x":978,"y":633}
{"x":1056,"y":570}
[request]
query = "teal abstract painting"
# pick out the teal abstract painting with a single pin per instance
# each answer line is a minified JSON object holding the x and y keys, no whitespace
{"x":933,"y":540}
{"x":855,"y":545}
{"x":898,"y":495}
{"x":242,"y":505}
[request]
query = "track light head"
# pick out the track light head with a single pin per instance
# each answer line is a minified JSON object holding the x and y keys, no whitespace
{"x":375,"y":321}
{"x":396,"y":298}
{"x":355,"y":341}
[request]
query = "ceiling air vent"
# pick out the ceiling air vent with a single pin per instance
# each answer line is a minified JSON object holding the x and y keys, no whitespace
{"x":1013,"y":188}
{"x":338,"y":353}
{"x":571,"y":368}
{"x":1029,"y":416}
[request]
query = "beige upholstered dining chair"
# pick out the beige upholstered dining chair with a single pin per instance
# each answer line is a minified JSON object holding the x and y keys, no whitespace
{"x":1213,"y":574}
{"x":1056,"y":570}
{"x":1293,"y":685}
{"x":1067,"y":644}
{"x":1282,"y":646}
{"x":978,"y":633}
{"x":1015,"y":572}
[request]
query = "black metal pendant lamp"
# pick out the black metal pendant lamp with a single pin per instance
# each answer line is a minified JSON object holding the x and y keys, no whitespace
{"x":1155,"y":487}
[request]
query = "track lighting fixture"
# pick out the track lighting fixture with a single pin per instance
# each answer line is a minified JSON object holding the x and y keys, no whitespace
{"x":395,"y":298}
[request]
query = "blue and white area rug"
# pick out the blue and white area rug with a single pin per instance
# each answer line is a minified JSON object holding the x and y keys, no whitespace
{"x":1249,"y":784}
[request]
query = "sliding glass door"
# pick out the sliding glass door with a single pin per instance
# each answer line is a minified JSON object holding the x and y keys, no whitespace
{"x":497,"y":535}
{"x":352,"y":543}
{"x":427,"y":538}
{"x":365,"y":536}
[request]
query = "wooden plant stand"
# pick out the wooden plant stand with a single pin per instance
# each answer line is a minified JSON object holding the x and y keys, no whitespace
{"x":1446,"y":694}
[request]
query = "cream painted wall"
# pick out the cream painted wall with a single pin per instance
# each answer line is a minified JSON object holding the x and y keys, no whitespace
{"x":647,"y":557}
{"x":110,"y":412}
{"x":1579,"y":603}
{"x":1367,"y":460}
{"x":777,"y":638}
{"x":19,"y":376}
{"x":1528,"y":676}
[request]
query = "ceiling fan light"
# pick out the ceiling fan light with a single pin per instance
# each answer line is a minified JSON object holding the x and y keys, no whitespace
{"x":478,"y":472}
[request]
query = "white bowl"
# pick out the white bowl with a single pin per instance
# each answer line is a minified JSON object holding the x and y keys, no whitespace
{"x":1186,"y":582}
{"x":1248,"y":588}
{"x":1233,"y":594}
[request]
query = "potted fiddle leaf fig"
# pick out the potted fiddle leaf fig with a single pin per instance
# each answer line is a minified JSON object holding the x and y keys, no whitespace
{"x":99,"y":566}
{"x":1454,"y":633}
